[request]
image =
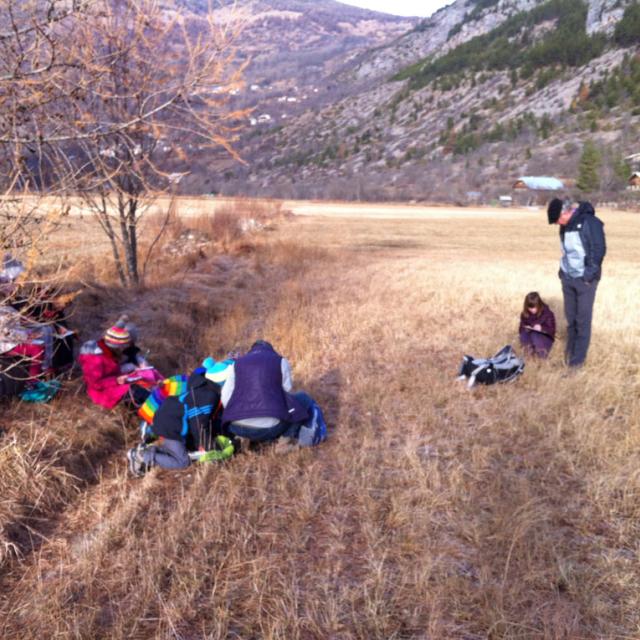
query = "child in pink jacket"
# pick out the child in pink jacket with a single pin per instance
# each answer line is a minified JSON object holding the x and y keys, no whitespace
{"x":109,"y":376}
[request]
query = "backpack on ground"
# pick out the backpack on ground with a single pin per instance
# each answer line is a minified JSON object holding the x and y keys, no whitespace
{"x":41,"y":391}
{"x":14,"y":377}
{"x":314,"y":430}
{"x":504,"y":366}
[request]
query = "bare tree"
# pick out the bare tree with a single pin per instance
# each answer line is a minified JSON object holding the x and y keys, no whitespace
{"x":36,"y":58}
{"x":99,"y":98}
{"x":157,"y":86}
{"x":106,"y":98}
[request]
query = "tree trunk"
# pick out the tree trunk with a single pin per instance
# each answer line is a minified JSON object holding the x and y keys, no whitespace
{"x":103,"y":217}
{"x":129,"y":237}
{"x":132,"y":257}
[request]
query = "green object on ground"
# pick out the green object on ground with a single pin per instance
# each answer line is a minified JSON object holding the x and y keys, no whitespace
{"x":41,"y":391}
{"x":223,"y":451}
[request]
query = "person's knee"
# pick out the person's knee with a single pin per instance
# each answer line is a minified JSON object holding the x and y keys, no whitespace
{"x":583,"y":327}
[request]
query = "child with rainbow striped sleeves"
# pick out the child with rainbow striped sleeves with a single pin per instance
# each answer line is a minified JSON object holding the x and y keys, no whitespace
{"x":184,"y":413}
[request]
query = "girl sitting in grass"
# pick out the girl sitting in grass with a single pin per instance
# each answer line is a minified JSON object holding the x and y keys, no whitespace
{"x":537,"y":326}
{"x":114,"y":370}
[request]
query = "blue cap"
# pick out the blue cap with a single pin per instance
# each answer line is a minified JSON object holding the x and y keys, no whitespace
{"x":216,"y":371}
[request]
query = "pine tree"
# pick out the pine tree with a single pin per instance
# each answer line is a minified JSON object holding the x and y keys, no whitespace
{"x":627,"y":31}
{"x":589,"y":168}
{"x":621,"y":171}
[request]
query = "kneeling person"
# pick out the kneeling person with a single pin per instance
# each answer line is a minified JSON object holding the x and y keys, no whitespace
{"x":181,"y":424}
{"x":257,"y":399}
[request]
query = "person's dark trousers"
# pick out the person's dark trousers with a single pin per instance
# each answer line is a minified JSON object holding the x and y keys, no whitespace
{"x":578,"y":309}
{"x":282,"y":429}
{"x":537,"y":344}
{"x":169,"y":454}
{"x":136,"y":396}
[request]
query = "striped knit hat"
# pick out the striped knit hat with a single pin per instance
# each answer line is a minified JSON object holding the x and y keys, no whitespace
{"x":118,"y":336}
{"x":216,"y":371}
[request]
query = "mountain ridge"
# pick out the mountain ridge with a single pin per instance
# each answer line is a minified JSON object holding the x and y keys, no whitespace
{"x":473,"y":126}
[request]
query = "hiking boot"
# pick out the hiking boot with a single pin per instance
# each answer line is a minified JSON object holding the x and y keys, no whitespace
{"x":135,"y":456}
{"x":242,"y":445}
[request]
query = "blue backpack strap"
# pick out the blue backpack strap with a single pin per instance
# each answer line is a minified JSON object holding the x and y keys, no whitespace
{"x":185,"y":417}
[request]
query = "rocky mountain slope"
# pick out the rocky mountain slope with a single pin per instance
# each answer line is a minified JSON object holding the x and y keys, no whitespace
{"x":302,"y":41}
{"x":458,"y":107}
{"x":461,"y":21}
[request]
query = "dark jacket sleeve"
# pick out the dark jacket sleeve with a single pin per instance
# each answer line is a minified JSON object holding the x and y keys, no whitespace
{"x":521,"y":328}
{"x":548,"y":322}
{"x":595,"y":248}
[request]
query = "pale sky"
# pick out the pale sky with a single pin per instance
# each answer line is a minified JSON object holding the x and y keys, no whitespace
{"x":401,"y":7}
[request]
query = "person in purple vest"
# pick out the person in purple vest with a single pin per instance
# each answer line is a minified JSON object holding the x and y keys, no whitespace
{"x":257,"y":399}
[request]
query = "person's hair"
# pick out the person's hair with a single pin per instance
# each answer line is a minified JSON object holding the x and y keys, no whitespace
{"x":261,"y":343}
{"x":533,"y":299}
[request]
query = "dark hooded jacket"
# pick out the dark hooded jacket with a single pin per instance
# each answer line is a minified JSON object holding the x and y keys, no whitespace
{"x":583,"y":245}
{"x":188,"y":417}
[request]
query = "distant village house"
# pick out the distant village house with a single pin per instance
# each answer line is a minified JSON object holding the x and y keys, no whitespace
{"x":536,"y":190}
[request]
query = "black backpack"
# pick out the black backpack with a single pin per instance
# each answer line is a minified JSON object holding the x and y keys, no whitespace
{"x":14,"y":376}
{"x":503,"y":367}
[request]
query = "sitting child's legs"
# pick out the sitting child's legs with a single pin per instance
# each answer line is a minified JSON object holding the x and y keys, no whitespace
{"x":169,"y":454}
{"x":541,"y":345}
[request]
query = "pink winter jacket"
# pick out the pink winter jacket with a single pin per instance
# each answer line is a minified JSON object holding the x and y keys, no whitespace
{"x":101,"y":370}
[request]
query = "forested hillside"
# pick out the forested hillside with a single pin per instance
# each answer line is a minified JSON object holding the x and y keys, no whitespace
{"x":516,"y":89}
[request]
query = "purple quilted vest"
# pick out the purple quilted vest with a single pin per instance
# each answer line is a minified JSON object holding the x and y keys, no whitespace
{"x":258,"y":391}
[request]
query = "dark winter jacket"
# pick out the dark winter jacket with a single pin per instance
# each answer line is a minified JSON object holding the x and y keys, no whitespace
{"x":583,"y":245}
{"x":187,"y":418}
{"x":258,"y":390}
{"x":546,"y":320}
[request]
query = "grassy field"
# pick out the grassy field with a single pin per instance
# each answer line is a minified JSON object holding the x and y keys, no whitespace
{"x":432,"y":511}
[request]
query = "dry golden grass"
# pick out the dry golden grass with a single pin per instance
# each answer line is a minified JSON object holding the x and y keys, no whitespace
{"x":431,"y":512}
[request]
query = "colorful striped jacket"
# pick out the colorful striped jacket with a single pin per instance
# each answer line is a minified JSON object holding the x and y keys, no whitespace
{"x":187,"y":417}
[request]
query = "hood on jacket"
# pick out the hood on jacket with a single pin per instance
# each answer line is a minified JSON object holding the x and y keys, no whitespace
{"x":585,"y":208}
{"x":197,"y":379}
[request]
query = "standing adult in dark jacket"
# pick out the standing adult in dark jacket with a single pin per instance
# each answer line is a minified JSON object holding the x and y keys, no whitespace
{"x":583,"y":249}
{"x":257,"y":399}
{"x":182,"y":423}
{"x":537,"y":326}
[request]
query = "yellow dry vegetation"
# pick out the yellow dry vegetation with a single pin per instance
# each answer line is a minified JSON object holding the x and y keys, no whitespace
{"x":431,"y":512}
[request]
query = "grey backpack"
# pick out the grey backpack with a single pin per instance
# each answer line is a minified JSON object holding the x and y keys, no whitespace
{"x":505,"y":366}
